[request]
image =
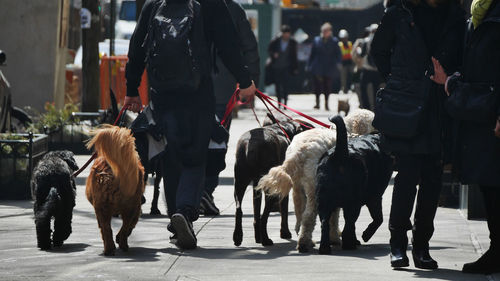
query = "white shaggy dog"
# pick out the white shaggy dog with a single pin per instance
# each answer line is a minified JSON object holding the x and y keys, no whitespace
{"x":298,"y":171}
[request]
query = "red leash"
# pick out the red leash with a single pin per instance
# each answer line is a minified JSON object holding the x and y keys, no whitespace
{"x":94,"y":155}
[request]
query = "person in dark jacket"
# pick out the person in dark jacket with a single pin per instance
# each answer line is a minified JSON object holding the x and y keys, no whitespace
{"x":410,"y":33}
{"x":324,"y":63}
{"x":224,"y":87}
{"x":478,"y":139}
{"x":284,"y":63}
{"x":186,"y":118}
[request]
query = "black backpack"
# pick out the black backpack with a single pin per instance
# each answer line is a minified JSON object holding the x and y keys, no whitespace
{"x":176,"y":47}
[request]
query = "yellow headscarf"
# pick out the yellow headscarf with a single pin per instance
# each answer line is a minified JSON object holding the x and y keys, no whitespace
{"x":478,"y":10}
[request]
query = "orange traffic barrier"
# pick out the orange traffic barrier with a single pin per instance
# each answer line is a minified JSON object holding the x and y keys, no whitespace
{"x":118,"y":81}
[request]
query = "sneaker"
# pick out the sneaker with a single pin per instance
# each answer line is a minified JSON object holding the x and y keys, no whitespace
{"x":173,"y":237}
{"x":186,"y":239}
{"x":207,"y":206}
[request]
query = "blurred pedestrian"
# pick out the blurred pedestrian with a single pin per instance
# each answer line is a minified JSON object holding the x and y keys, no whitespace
{"x":347,"y":63}
{"x":477,"y":90}
{"x":284,"y":63}
{"x":324,"y":63}
{"x":368,"y":70}
{"x":224,"y":87}
{"x":409,"y":113}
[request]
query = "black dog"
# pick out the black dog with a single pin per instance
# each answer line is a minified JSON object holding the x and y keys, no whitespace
{"x":349,"y":176}
{"x":259,"y":150}
{"x":54,"y":189}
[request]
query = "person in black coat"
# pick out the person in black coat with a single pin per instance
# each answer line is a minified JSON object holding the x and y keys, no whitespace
{"x":411,"y":31}
{"x":224,"y":87}
{"x":324,"y":63}
{"x":284,"y":62}
{"x":186,"y":118}
{"x":478,"y":139}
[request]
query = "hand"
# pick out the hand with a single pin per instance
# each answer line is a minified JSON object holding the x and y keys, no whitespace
{"x":439,"y":76}
{"x":497,"y":129}
{"x":248,"y":93}
{"x":276,"y":55}
{"x":134,"y":103}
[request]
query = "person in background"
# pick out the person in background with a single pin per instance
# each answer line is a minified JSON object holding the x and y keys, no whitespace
{"x":347,"y":63}
{"x":324,"y":63}
{"x":284,"y":63}
{"x":477,"y":149}
{"x":224,"y":87}
{"x":403,"y":57}
{"x":368,"y":70}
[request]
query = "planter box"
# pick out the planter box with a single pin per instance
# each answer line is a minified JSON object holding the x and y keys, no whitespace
{"x":74,"y":136}
{"x":17,"y":159}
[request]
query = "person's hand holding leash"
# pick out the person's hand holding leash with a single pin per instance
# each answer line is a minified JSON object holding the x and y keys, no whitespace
{"x":497,"y":128}
{"x":439,"y":76}
{"x":248,"y":93}
{"x":134,"y":103}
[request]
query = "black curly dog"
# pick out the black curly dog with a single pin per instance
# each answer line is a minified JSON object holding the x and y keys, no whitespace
{"x":54,"y":189}
{"x":257,"y":151}
{"x":350,"y":175}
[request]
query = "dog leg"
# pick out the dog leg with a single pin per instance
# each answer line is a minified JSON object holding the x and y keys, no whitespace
{"x":334,"y":228}
{"x":349,"y":240}
{"x":269,"y":202}
{"x":305,"y":242}
{"x":129,"y":221}
{"x":375,"y":208}
{"x":325,"y":248}
{"x":43,"y":232}
{"x":257,"y":223}
{"x":284,"y":231}
{"x":240,"y":185}
{"x":104,"y":221}
{"x":62,"y":225}
{"x":156,"y":195}
{"x":299,"y":199}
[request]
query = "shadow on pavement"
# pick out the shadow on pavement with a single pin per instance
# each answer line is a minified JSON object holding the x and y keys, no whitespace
{"x":443,"y":274}
{"x":25,"y":204}
{"x":139,"y":254}
{"x":70,"y":248}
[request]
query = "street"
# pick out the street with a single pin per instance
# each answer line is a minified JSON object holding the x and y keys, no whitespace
{"x":151,"y":256}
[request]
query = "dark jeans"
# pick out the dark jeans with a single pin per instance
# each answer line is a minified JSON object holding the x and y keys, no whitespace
{"x":212,"y":180}
{"x":425,"y":171}
{"x":369,"y":77}
{"x":491,"y":197}
{"x":282,"y":82}
{"x":322,"y":85}
{"x":188,"y":133}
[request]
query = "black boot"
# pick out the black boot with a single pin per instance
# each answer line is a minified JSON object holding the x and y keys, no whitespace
{"x":489,"y":263}
{"x":399,"y":244}
{"x":423,"y":259}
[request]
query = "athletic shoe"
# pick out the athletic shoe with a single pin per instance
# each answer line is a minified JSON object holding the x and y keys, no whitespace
{"x":186,"y":239}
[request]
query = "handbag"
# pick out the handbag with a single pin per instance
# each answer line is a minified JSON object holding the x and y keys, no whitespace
{"x":400,"y":107}
{"x":472,"y":101}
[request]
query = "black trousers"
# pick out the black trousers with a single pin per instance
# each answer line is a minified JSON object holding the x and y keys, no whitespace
{"x":282,"y":82}
{"x":491,"y":197}
{"x":322,"y":85}
{"x":425,"y":171}
{"x":369,"y":77}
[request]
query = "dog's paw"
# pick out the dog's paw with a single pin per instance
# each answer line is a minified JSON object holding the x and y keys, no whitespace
{"x":109,"y":252}
{"x":303,"y":248}
{"x":367,"y":235}
{"x":237,"y":237}
{"x":285,"y":234}
{"x":267,"y":242}
{"x":325,"y":250}
{"x":155,"y":212}
{"x":58,"y":243}
{"x":349,"y":245}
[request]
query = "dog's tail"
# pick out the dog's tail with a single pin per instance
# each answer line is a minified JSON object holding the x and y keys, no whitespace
{"x":50,"y":206}
{"x":341,"y":145}
{"x":117,"y":146}
{"x":277,"y":181}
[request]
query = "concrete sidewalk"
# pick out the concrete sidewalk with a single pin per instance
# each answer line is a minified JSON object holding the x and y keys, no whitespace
{"x":151,"y":256}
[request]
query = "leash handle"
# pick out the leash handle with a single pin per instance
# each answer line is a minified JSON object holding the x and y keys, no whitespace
{"x":233,"y":101}
{"x":94,"y":155}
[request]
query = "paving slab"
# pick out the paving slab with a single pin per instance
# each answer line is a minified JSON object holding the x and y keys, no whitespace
{"x":151,"y":256}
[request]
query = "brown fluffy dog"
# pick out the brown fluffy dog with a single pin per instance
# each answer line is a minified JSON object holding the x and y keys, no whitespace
{"x":115,"y":184}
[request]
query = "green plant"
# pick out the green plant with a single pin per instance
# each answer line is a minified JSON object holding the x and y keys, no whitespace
{"x":53,"y":119}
